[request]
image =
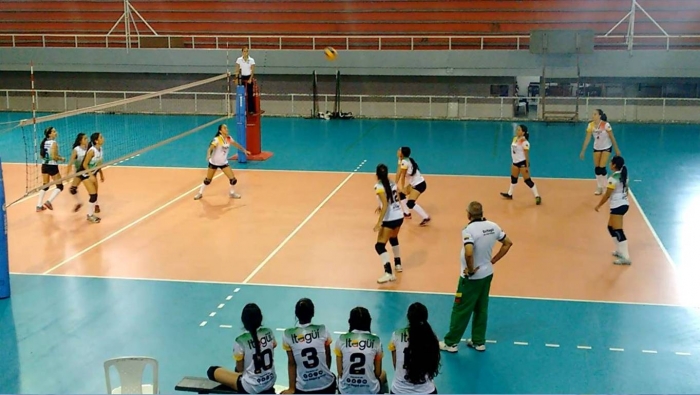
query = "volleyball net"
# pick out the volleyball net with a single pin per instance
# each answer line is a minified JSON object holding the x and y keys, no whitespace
{"x":125,"y":136}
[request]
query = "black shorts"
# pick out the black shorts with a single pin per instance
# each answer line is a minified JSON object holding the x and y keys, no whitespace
{"x":332,"y":389}
{"x":420,"y":187}
{"x":51,"y":170}
{"x":242,"y":390}
{"x":393,"y":224}
{"x":622,"y":210}
{"x":520,"y":164}
{"x":609,"y":149}
{"x":216,"y":167}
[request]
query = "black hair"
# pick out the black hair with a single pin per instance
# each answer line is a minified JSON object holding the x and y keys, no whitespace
{"x":93,"y":139}
{"x":42,"y":145}
{"x":218,"y":131}
{"x":406,"y":152}
{"x":78,"y":139}
{"x":619,"y":163}
{"x":422,"y":356}
{"x":525,"y":132}
{"x":603,"y":116}
{"x":383,"y":176}
{"x":251,"y":316}
{"x":304,"y":310}
{"x":360,"y":319}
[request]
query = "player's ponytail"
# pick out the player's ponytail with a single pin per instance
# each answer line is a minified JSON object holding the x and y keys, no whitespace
{"x":406,"y":152}
{"x":422,"y":356}
{"x":383,"y":176}
{"x":526,"y":134}
{"x":304,"y":310}
{"x":603,"y":116}
{"x":619,"y":163}
{"x":251,"y":316}
{"x":218,"y":131}
{"x":360,"y":320}
{"x":78,"y":139}
{"x":42,"y":145}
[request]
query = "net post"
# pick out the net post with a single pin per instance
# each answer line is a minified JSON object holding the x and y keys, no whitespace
{"x":252,"y":126}
{"x":4,"y":252}
{"x":241,"y":122}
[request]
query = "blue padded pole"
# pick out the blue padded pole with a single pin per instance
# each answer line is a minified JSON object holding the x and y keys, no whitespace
{"x":4,"y":255}
{"x":241,"y":110}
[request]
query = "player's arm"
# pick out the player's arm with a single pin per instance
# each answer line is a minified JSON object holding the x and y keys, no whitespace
{"x":612,"y":183}
{"x":378,"y":364}
{"x":401,"y":176}
{"x":73,"y":157}
{"x":526,"y":152}
{"x":211,"y":148}
{"x":292,"y":372}
{"x":506,"y":243}
{"x":587,"y":140}
{"x":329,"y":359}
{"x":392,"y":348}
{"x":87,"y":159}
{"x":239,"y":147}
{"x":381,"y":194}
{"x":468,"y":242}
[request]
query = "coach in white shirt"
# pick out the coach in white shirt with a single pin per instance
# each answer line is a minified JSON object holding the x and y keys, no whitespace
{"x":245,"y":71}
{"x":472,"y":295}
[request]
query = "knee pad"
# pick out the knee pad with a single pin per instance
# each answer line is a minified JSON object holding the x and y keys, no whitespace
{"x":207,"y":181}
{"x":513,"y":180}
{"x":603,"y":171}
{"x":402,"y":196}
{"x":59,"y":187}
{"x":233,"y":181}
{"x":380,"y":248}
{"x":210,"y":372}
{"x":411,"y":203}
{"x":611,"y":231}
{"x":529,"y":183}
{"x":93,"y":198}
{"x":394,"y":241}
{"x":596,"y":170}
{"x":73,"y":190}
{"x":620,"y":234}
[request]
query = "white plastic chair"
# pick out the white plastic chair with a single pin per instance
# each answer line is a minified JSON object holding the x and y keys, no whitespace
{"x":131,"y":371}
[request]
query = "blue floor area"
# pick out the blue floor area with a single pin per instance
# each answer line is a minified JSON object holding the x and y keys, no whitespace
{"x":162,"y":319}
{"x":87,"y":321}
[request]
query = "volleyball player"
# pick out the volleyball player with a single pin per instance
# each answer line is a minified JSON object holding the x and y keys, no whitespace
{"x":48,"y":150}
{"x":389,"y":222}
{"x":603,"y":144}
{"x":93,"y":158}
{"x":217,"y":156}
{"x":415,"y":351}
{"x":253,"y":351}
{"x":359,"y":357}
{"x":308,"y":348}
{"x":77,"y":155}
{"x":409,"y":192}
{"x":520,"y":154}
{"x":619,"y":204}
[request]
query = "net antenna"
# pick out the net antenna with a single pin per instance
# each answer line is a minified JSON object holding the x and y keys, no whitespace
{"x":126,"y":136}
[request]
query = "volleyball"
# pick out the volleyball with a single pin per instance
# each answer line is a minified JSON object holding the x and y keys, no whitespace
{"x":331,"y":53}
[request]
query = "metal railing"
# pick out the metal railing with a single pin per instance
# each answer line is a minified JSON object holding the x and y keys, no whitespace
{"x":627,"y":109}
{"x":300,"y":42}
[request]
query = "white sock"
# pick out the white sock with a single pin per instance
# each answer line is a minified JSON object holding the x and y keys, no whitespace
{"x":385,"y":258}
{"x":396,"y":251}
{"x":404,"y":207}
{"x":601,"y":181}
{"x":41,"y":198}
{"x":54,"y":194}
{"x":91,"y":208}
{"x":201,"y":189}
{"x":232,"y":191}
{"x":511,"y":189}
{"x":617,"y":244}
{"x":534,"y":191}
{"x":623,"y":249}
{"x":420,"y":211}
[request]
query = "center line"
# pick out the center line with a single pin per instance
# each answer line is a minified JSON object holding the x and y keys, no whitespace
{"x":298,"y":228}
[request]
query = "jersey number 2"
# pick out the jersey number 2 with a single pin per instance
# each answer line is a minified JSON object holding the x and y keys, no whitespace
{"x":310,"y":358}
{"x":357,"y":364}
{"x":264,"y":362}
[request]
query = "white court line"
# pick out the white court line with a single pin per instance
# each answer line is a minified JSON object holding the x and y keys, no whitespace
{"x":551,"y":345}
{"x":649,"y":351}
{"x":301,"y":225}
{"x":583,"y":347}
{"x":126,"y":227}
{"x":520,"y":343}
{"x":617,"y":349}
{"x":653,"y":232}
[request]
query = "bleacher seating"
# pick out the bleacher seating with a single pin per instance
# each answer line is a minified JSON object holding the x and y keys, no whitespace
{"x":345,"y":18}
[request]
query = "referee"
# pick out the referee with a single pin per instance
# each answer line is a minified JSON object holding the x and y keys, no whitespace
{"x":245,"y":70}
{"x":472,"y":295}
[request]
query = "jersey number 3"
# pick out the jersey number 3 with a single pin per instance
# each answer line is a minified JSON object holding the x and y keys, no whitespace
{"x":310,"y":358}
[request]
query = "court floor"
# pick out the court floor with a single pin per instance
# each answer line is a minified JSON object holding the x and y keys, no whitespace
{"x":166,"y":276}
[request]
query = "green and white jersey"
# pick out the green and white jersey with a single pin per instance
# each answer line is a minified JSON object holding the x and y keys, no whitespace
{"x":79,"y":156}
{"x":618,"y":197}
{"x":360,"y":351}
{"x":308,"y":345}
{"x":261,"y":376}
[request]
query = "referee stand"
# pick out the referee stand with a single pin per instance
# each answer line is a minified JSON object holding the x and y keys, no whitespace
{"x":248,"y":123}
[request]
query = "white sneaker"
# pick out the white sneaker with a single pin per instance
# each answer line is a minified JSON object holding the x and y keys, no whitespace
{"x":599,"y":191}
{"x":623,"y":261}
{"x":616,"y":254}
{"x":398,"y":268}
{"x":480,"y":347}
{"x":386,"y":278}
{"x":197,"y":196}
{"x":234,"y":195}
{"x":445,"y":347}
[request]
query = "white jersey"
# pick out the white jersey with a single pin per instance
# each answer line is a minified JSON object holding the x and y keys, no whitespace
{"x":256,"y":379}
{"x":601,"y":135}
{"x":518,"y":148}
{"x":79,"y":156}
{"x":482,"y":234}
{"x":96,"y":159}
{"x":414,"y":179}
{"x":219,"y":157}
{"x":360,"y":351}
{"x":308,"y":344}
{"x":401,"y":385}
{"x":618,"y":197}
{"x":394,"y":211}
{"x":48,"y":146}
